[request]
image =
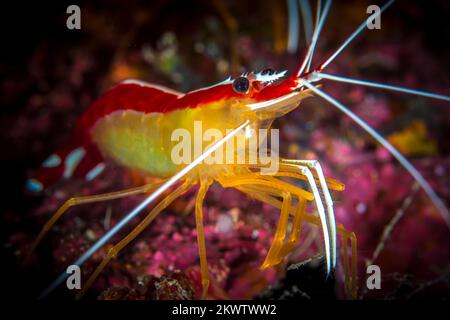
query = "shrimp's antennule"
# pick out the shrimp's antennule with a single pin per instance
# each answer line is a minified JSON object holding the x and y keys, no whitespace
{"x":315,"y":37}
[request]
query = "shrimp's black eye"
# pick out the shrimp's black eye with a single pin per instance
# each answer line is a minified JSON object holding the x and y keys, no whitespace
{"x":267,"y":71}
{"x":241,"y":85}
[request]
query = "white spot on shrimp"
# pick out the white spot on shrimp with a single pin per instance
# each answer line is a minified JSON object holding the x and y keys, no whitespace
{"x":270,"y":77}
{"x":72,"y":161}
{"x":34,"y":185}
{"x":53,"y":161}
{"x":94,"y":172}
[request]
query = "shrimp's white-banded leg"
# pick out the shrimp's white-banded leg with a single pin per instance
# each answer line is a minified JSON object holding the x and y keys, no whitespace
{"x":329,"y":240}
{"x":347,"y":237}
{"x":306,"y":172}
{"x":315,"y":165}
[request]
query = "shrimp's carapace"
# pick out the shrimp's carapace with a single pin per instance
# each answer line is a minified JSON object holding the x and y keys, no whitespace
{"x":132,"y":124}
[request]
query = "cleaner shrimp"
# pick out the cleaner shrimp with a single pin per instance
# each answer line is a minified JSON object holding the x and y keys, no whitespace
{"x":134,"y":123}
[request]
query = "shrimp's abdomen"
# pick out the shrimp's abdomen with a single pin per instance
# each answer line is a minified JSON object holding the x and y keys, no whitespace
{"x":132,"y":124}
{"x":80,"y":157}
{"x":134,"y":139}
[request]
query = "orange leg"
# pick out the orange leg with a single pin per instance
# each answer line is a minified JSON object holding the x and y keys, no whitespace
{"x":311,"y":171}
{"x":275,"y":187}
{"x":296,"y":229}
{"x":280,"y":233}
{"x":112,"y":253}
{"x":288,"y":168}
{"x":351,"y":285}
{"x":297,"y":222}
{"x":280,"y":248}
{"x":204,"y":186}
{"x":271,"y":182}
{"x":269,"y":193}
{"x":75,"y":201}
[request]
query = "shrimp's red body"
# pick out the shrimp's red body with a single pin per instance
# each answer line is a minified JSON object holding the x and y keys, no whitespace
{"x":132,"y":122}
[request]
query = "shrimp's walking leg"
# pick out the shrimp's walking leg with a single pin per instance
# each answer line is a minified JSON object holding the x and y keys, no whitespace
{"x":280,"y":248}
{"x":296,"y":229}
{"x":75,"y":201}
{"x":204,"y":186}
{"x":269,"y":184}
{"x":272,"y":257}
{"x":315,"y":165}
{"x":112,"y":253}
{"x":351,"y":285}
{"x":328,"y":235}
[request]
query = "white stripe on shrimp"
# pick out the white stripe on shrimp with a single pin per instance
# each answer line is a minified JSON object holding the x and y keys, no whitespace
{"x":270,"y":77}
{"x":53,"y":161}
{"x":34,"y":185}
{"x":154,"y":86}
{"x":72,"y":161}
{"x":94,"y":172}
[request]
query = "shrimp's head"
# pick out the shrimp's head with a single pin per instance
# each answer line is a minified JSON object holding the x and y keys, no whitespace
{"x":264,"y":96}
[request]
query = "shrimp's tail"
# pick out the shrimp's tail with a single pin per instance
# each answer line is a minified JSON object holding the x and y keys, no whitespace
{"x":75,"y":159}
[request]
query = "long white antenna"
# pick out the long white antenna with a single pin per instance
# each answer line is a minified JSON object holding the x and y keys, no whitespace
{"x":315,"y":37}
{"x":294,"y":26}
{"x":305,"y":9}
{"x":355,"y":34}
{"x":440,"y":205}
{"x":318,"y":15}
{"x":382,"y":86}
